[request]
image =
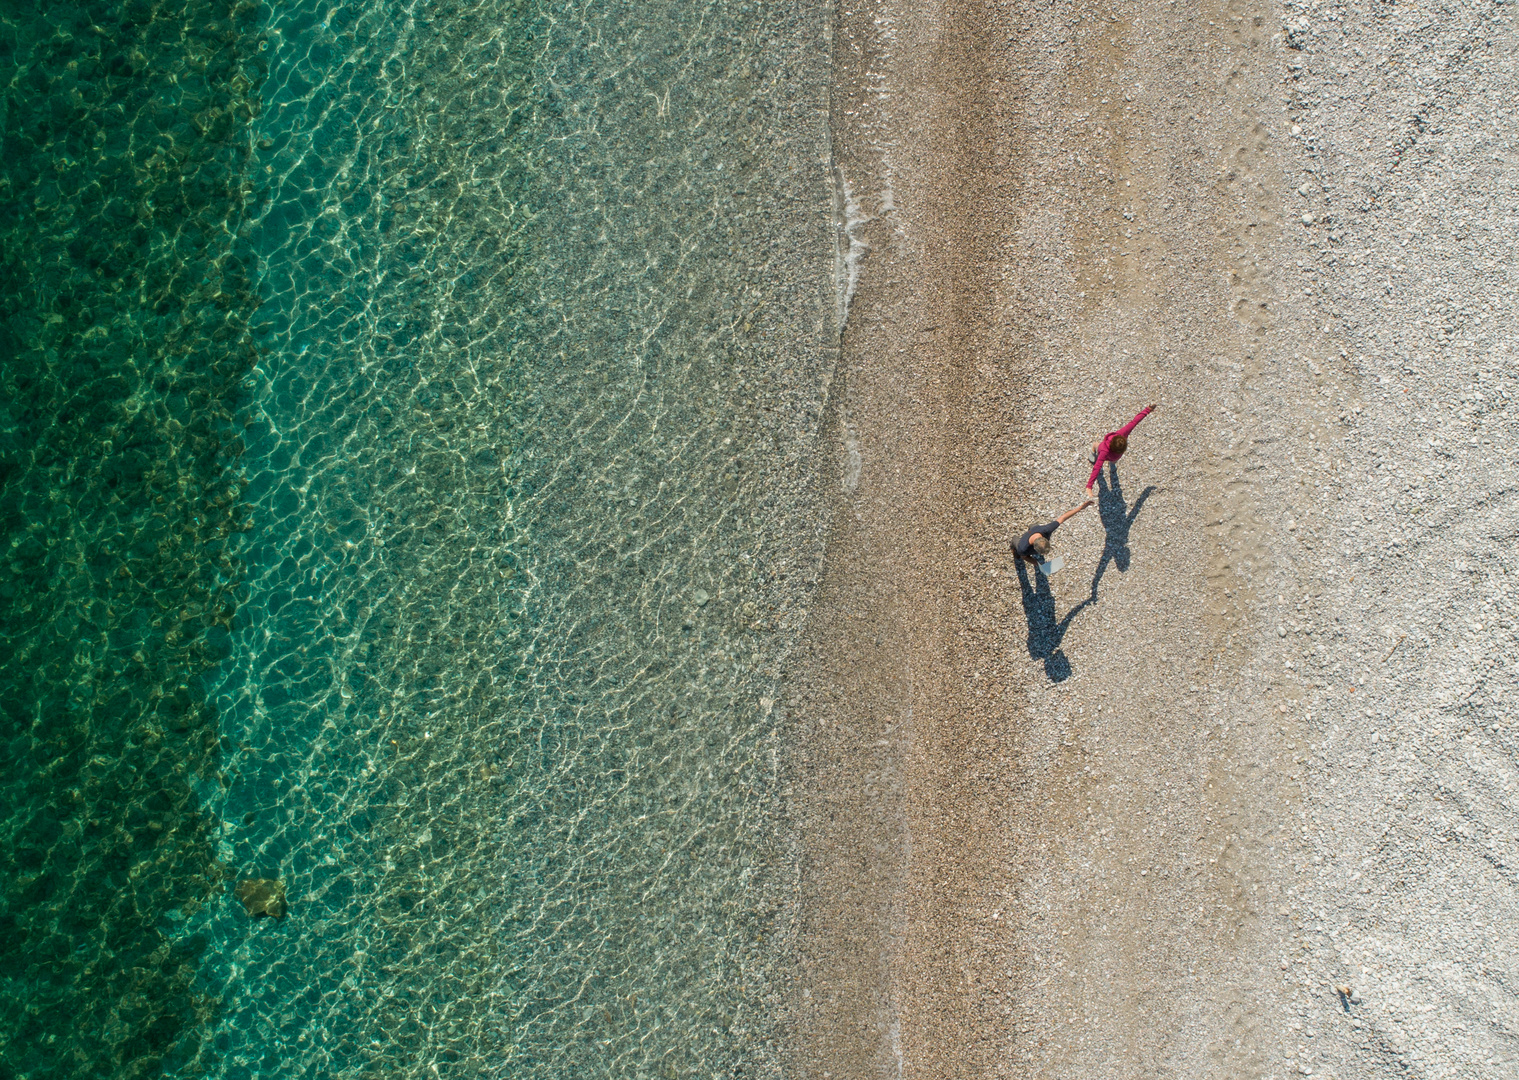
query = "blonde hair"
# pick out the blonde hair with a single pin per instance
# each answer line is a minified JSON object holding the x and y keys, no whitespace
{"x":1040,"y":543}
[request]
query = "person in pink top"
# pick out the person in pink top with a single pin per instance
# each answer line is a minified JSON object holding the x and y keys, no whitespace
{"x":1112,"y":445}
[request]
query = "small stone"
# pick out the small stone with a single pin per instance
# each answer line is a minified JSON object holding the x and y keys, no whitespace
{"x":1307,"y":219}
{"x":263,"y":897}
{"x":701,"y":596}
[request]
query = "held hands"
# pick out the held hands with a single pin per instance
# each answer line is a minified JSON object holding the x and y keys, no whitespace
{"x":1063,"y":518}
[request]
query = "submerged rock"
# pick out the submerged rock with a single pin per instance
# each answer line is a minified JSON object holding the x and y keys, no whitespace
{"x":263,"y":897}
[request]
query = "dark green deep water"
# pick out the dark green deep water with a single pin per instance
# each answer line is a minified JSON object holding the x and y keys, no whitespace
{"x":408,"y":494}
{"x":125,"y":297}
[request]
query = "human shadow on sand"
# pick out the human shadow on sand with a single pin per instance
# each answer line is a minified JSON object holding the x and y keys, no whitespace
{"x":1117,"y":519}
{"x":1044,"y":630}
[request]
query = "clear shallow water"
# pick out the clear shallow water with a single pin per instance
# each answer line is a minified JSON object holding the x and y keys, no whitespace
{"x":405,"y":476}
{"x":546,"y":322}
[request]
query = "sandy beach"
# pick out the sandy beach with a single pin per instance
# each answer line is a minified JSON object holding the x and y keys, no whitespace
{"x":1233,"y":794}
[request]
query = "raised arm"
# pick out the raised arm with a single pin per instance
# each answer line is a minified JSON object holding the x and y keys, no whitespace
{"x":1063,"y":518}
{"x":1134,"y":423}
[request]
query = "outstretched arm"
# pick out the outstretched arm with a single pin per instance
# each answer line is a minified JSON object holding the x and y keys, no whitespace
{"x":1134,"y":423}
{"x":1063,"y":518}
{"x":1102,"y":458}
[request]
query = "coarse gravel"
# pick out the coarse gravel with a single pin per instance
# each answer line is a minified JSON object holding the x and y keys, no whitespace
{"x":1233,"y":794}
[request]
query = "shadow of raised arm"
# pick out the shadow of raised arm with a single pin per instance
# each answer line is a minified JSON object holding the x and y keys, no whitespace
{"x":1117,"y":519}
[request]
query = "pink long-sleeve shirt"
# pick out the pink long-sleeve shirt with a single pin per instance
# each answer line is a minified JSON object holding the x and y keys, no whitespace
{"x":1107,"y":440}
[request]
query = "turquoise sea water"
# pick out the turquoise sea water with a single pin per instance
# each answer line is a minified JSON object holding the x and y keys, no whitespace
{"x":125,"y":294}
{"x":473,"y":512}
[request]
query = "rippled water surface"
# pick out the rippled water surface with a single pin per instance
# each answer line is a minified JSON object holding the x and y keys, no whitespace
{"x":406,"y":454}
{"x":125,"y":297}
{"x":545,"y":328}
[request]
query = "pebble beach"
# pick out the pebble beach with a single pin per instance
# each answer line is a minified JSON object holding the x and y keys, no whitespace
{"x":1234,"y":793}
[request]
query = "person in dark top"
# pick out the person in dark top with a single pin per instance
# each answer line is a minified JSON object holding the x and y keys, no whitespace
{"x":1033,"y":545}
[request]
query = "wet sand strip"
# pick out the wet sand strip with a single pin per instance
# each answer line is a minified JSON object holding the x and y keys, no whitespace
{"x":902,"y":789}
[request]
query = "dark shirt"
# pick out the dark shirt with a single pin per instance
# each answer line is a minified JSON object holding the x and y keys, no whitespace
{"x":1020,"y":545}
